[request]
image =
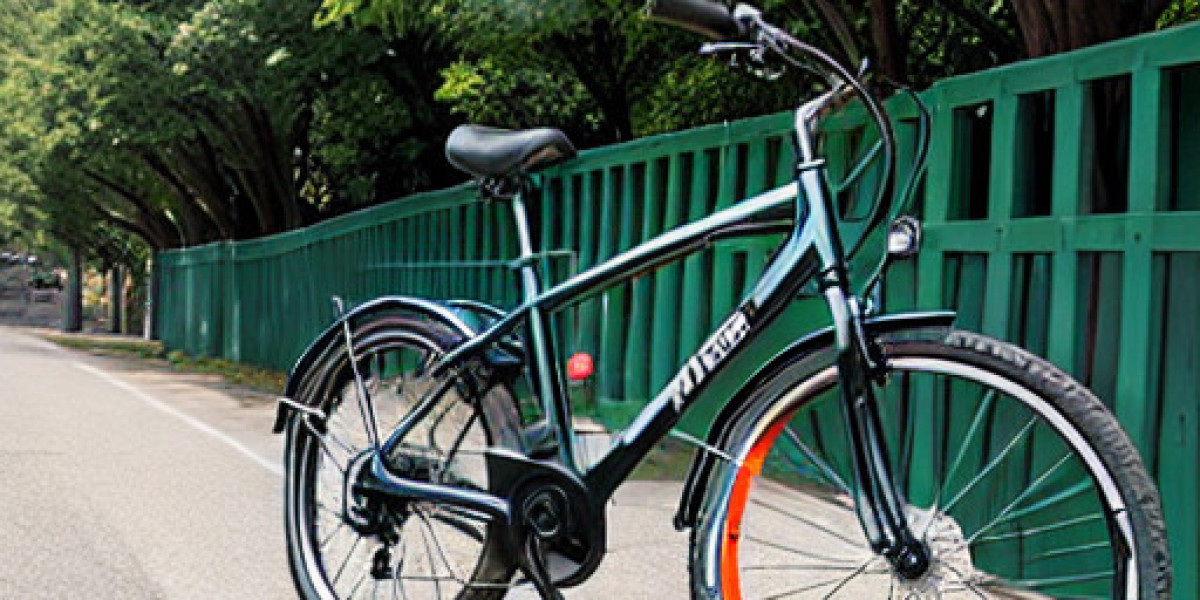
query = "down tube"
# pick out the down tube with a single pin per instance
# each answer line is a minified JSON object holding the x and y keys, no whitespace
{"x":792,"y":266}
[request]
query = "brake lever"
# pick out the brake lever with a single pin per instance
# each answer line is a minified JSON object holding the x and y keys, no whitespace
{"x":756,"y":62}
{"x":714,"y":48}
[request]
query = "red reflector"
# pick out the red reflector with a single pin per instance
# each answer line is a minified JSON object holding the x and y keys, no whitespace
{"x":579,"y":367}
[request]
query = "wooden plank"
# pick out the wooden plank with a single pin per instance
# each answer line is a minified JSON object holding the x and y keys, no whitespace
{"x":589,"y":247}
{"x":665,"y":356}
{"x":640,"y":347}
{"x":1135,"y":333}
{"x":722,"y":267}
{"x":1178,"y":444}
{"x":609,"y":381}
{"x":697,"y":287}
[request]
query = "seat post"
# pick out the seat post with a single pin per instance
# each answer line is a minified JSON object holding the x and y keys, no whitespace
{"x":530,"y":284}
{"x":551,"y":386}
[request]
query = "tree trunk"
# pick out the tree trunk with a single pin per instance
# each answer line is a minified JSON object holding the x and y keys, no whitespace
{"x":73,"y":320}
{"x":1053,"y":26}
{"x":150,"y":321}
{"x":116,"y":300}
{"x":886,"y":34}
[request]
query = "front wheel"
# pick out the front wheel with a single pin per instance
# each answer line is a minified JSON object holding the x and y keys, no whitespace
{"x":1018,"y":480}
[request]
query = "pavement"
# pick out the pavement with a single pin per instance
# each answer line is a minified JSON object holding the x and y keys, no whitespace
{"x":126,"y":480}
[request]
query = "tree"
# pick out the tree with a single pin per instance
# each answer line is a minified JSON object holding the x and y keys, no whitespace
{"x":1052,"y":26}
{"x":223,"y":119}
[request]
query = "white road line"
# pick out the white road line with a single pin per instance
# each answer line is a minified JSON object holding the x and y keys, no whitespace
{"x":196,"y":424}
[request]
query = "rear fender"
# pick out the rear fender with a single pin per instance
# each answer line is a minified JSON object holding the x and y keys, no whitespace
{"x":705,"y":461}
{"x":463,"y":318}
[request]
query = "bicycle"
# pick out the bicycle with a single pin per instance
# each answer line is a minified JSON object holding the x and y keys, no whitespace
{"x":838,"y":469}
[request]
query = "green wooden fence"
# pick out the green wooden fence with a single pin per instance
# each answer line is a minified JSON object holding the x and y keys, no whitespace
{"x":1062,"y":212}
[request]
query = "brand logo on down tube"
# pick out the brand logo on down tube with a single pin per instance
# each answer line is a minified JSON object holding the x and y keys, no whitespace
{"x":711,"y":354}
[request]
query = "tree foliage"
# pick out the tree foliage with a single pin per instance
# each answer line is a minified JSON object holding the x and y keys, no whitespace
{"x":180,"y":122}
{"x":185,"y":122}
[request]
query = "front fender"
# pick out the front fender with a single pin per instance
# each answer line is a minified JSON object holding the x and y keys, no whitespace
{"x":461,"y":317}
{"x":704,"y":461}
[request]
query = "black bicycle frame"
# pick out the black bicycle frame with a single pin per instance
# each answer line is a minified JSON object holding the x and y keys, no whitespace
{"x":803,"y":208}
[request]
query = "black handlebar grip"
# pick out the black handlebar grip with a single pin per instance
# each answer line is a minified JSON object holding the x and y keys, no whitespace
{"x":708,"y":18}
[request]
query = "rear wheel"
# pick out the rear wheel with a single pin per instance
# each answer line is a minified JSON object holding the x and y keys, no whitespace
{"x":343,"y":545}
{"x":1018,"y":480}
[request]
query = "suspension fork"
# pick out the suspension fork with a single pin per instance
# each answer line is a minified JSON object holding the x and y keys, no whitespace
{"x":879,"y":503}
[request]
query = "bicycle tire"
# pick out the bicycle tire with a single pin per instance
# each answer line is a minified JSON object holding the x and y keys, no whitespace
{"x":1000,"y":522}
{"x":392,"y":352}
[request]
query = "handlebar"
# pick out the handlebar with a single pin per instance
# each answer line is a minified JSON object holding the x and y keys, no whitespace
{"x":708,"y":18}
{"x":717,"y":21}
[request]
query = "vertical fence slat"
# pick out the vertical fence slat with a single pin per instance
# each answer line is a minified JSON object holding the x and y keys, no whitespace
{"x":1145,"y":191}
{"x":665,"y":357}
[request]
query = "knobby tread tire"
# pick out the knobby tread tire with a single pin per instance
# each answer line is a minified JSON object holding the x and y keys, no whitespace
{"x":1101,"y":429}
{"x":1085,"y":412}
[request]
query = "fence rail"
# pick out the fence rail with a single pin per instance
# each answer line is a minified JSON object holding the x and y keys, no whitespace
{"x":1062,"y":212}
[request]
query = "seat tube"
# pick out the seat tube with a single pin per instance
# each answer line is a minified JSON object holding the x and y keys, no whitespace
{"x":551,"y":387}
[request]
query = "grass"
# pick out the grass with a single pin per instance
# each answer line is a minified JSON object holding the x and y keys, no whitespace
{"x":262,"y":380}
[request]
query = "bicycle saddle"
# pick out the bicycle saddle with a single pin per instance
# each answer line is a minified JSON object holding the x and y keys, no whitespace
{"x":489,"y":152}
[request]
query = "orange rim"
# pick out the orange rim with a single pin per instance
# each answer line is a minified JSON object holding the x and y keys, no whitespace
{"x":731,"y":584}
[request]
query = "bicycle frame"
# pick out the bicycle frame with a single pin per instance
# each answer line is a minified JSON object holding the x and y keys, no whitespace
{"x":803,"y":207}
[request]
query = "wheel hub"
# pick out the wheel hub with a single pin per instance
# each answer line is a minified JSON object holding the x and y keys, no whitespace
{"x":364,"y":512}
{"x":949,"y":563}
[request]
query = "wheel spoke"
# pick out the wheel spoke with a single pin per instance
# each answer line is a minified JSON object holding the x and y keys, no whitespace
{"x":1049,"y":582}
{"x":841,"y":584}
{"x":1053,"y":501}
{"x":794,"y":550}
{"x":329,"y":538}
{"x":1012,"y":444}
{"x":1032,"y":531}
{"x":806,"y":588}
{"x":358,"y":584}
{"x":985,"y":406}
{"x":811,"y":523}
{"x":346,"y":560}
{"x":1037,"y":483}
{"x":1069,"y":550}
{"x":829,"y":474}
{"x":441,"y":551}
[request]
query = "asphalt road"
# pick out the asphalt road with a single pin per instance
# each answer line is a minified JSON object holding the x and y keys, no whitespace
{"x":121,"y":481}
{"x":132,"y":484}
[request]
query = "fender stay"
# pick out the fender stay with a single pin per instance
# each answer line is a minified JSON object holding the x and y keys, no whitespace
{"x":464,"y":318}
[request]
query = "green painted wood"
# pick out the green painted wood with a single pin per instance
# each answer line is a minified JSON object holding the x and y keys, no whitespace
{"x":1178,"y":444}
{"x":694,"y":308}
{"x":568,"y":240}
{"x":1146,"y":192}
{"x":589,"y":247}
{"x":608,"y":384}
{"x":723,"y":294}
{"x":640,"y":349}
{"x":665,"y":357}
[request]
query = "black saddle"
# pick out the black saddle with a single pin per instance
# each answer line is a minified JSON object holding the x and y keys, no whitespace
{"x":491,"y":152}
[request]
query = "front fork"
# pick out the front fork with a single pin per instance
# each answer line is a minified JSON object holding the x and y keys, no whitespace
{"x":879,"y":503}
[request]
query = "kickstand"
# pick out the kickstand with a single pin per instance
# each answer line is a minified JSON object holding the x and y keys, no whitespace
{"x":534,"y":565}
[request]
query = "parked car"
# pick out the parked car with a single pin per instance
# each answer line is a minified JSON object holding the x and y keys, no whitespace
{"x":45,"y":280}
